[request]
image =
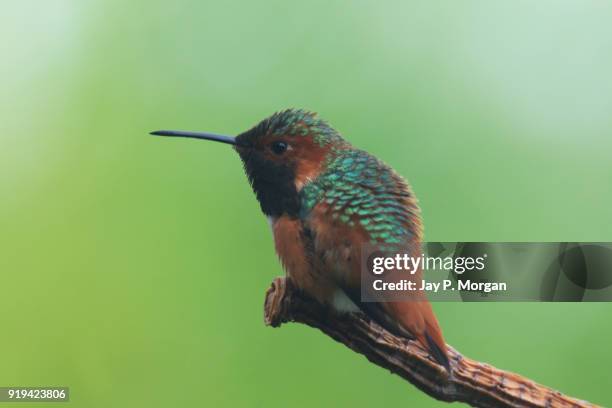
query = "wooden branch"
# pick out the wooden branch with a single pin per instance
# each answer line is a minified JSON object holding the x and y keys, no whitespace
{"x":475,"y":383}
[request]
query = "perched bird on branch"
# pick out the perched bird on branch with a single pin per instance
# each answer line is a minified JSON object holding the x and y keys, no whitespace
{"x":325,"y":200}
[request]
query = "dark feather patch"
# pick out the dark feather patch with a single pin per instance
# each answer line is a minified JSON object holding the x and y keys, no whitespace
{"x":437,"y":354}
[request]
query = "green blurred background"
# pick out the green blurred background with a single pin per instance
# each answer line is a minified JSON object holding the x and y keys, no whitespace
{"x":134,"y":268}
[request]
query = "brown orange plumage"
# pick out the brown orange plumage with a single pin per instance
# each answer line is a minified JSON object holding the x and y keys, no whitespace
{"x":325,"y":200}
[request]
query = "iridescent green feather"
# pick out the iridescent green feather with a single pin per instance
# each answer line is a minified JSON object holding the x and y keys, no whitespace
{"x":359,"y":189}
{"x":300,"y":122}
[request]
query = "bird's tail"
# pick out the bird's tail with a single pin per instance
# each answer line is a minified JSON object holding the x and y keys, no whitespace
{"x":418,"y":319}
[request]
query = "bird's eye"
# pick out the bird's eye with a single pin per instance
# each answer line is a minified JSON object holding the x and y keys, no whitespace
{"x":279,"y":147}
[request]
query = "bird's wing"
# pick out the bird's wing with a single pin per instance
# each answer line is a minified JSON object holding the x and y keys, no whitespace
{"x":373,"y":210}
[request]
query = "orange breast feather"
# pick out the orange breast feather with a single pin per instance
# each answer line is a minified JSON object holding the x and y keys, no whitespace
{"x":290,"y":241}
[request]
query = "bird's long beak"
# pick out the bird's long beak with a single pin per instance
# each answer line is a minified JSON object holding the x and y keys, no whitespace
{"x":196,"y":135}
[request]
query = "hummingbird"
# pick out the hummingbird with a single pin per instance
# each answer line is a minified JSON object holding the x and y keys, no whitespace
{"x":325,"y":199}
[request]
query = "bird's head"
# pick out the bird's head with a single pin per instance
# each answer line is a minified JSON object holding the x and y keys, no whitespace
{"x":280,"y":154}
